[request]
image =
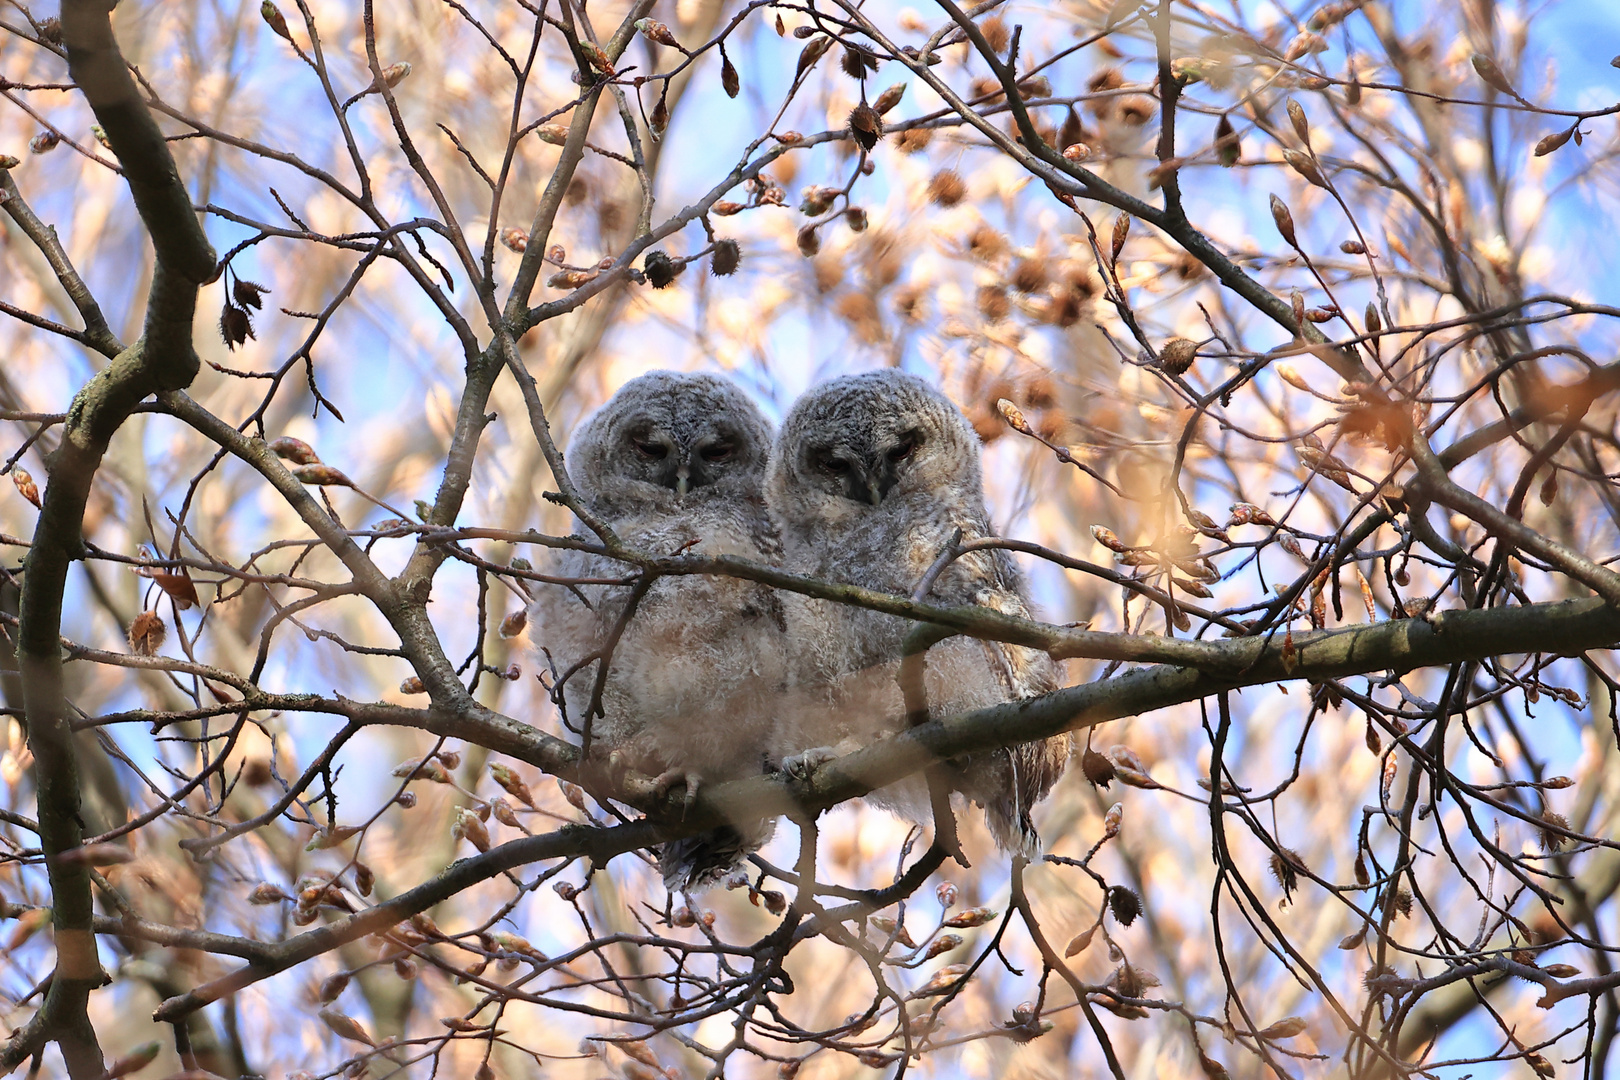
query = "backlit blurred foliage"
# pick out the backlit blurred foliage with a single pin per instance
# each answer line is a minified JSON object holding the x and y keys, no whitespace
{"x":1422,"y":228}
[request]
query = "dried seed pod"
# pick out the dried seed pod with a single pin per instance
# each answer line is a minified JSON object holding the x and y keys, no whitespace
{"x":865,"y":126}
{"x":235,"y":326}
{"x":660,"y":269}
{"x":887,"y":100}
{"x":947,"y":188}
{"x":1097,"y":768}
{"x":146,"y":633}
{"x":855,"y":218}
{"x":1176,"y":355}
{"x":249,"y":294}
{"x":1124,"y":905}
{"x":727,"y":255}
{"x":729,"y":80}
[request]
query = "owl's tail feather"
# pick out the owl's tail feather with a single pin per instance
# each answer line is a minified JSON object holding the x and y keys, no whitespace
{"x":697,"y":862}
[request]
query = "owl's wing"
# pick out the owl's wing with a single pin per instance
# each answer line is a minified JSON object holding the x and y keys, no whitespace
{"x":1012,"y":781}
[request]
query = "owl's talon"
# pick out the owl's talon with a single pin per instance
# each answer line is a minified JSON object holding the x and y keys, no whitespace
{"x":666,"y":782}
{"x":801,"y":765}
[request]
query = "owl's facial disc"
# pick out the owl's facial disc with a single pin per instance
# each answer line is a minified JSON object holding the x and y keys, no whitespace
{"x":867,"y":474}
{"x":681,"y":464}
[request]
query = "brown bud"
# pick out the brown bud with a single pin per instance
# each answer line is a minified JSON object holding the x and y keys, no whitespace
{"x":26,"y":486}
{"x":654,"y":30}
{"x":887,"y":100}
{"x":44,"y":142}
{"x":365,"y":879}
{"x":1284,"y":220}
{"x":1353,"y":247}
{"x":332,"y":987}
{"x":512,"y":784}
{"x":1302,"y":126}
{"x":1077,"y":152}
{"x":412,"y":685}
{"x":808,"y":240}
{"x":1306,"y":166}
{"x":1492,"y":75}
{"x":729,"y":80}
{"x":1122,"y":229}
{"x":294,"y":450}
{"x":515,"y":239}
{"x":1548,"y":143}
{"x":971,"y":917}
{"x":514,"y":624}
{"x":555,"y":134}
{"x":812,"y":51}
{"x":1228,"y":147}
{"x":321,"y":476}
{"x":855,"y":218}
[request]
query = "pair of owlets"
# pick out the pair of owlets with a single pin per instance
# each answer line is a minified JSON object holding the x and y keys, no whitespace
{"x":717,"y":678}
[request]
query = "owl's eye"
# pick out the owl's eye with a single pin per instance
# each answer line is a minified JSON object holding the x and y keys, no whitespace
{"x":907,"y":446}
{"x":650,"y":450}
{"x":835,"y":465}
{"x":717,"y":451}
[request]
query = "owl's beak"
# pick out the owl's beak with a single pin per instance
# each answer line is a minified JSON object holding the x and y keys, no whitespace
{"x":683,"y":480}
{"x":874,"y":492}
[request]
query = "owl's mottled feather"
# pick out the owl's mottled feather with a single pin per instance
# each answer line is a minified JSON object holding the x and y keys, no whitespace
{"x":869,"y":480}
{"x":674,"y":463}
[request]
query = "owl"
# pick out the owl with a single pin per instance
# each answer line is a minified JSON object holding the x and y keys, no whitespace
{"x":869,"y":481}
{"x":674,"y":463}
